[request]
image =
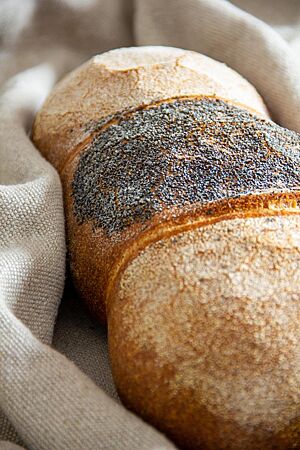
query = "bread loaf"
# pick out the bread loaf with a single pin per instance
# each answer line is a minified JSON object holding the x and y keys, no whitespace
{"x":183,"y":228}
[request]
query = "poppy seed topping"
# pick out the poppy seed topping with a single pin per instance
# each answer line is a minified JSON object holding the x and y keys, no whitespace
{"x":178,"y":153}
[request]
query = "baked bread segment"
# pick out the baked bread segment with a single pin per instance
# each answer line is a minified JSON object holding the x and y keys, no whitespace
{"x":183,"y":229}
{"x":177,"y":155}
{"x":204,"y":335}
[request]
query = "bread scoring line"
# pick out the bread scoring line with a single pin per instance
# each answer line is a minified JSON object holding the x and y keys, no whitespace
{"x":166,"y":230}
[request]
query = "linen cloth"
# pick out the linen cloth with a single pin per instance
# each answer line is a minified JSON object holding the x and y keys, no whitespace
{"x":62,"y":396}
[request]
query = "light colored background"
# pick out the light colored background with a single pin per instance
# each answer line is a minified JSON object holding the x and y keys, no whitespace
{"x":47,"y":402}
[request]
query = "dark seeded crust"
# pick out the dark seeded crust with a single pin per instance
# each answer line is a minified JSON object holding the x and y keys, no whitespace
{"x":178,"y":154}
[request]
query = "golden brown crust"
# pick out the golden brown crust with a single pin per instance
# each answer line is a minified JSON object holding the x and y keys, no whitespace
{"x":211,"y":324}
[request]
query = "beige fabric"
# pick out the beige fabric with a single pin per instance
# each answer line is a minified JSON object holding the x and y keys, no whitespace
{"x":50,"y":402}
{"x":7,"y":445}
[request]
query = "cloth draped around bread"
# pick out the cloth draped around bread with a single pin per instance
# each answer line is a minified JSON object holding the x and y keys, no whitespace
{"x":56,"y":389}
